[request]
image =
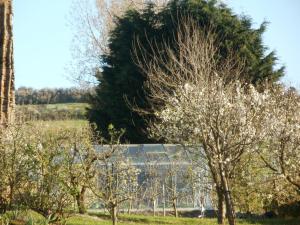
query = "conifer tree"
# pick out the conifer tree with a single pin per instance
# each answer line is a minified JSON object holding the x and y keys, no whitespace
{"x":121,"y":81}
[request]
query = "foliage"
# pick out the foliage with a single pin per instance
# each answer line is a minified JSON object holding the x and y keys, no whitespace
{"x":252,"y":186}
{"x":34,"y":173}
{"x":15,"y":162}
{"x":44,"y":192}
{"x":120,"y":77}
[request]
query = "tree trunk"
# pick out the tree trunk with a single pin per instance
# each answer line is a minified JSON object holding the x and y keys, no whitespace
{"x":7,"y":95}
{"x":221,"y":206}
{"x":114,"y":215}
{"x":153,"y":206}
{"x":11,"y":196}
{"x":80,"y":198}
{"x":175,"y":207}
{"x":228,"y":200}
{"x":130,"y":206}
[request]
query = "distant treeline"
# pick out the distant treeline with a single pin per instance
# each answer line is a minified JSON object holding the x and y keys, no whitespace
{"x":27,"y":95}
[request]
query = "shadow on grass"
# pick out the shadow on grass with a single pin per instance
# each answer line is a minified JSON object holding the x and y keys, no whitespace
{"x":270,"y":221}
{"x":140,"y":219}
{"x":134,"y":218}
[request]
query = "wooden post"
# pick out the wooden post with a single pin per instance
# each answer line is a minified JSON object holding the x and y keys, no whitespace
{"x":164,"y":200}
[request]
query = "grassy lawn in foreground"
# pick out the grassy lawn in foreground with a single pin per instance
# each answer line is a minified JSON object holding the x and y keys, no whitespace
{"x":149,"y":220}
{"x":33,"y":218}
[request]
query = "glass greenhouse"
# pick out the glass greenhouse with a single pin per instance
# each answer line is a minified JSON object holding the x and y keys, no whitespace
{"x":168,"y":175}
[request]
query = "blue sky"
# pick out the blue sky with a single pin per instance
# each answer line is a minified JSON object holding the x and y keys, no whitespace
{"x":42,"y":38}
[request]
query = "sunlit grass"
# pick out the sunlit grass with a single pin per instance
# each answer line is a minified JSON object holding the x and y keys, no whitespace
{"x":53,"y":124}
{"x":31,"y":217}
{"x":159,"y":220}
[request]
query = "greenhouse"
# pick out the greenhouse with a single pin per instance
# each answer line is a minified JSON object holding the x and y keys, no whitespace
{"x":167,"y":175}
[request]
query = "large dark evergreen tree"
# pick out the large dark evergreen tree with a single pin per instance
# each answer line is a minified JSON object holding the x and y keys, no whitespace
{"x":121,"y":77}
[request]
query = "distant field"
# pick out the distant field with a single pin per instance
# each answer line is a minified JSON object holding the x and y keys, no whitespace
{"x":60,"y":123}
{"x":68,"y":111}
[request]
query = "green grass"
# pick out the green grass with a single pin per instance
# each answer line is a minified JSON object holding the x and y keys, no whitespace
{"x":60,"y":123}
{"x":149,"y":220}
{"x":52,"y":111}
{"x":102,"y":219}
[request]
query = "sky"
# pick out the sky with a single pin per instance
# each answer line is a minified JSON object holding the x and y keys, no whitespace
{"x":43,"y":38}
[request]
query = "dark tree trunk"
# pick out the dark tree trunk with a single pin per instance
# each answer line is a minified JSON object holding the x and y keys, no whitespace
{"x":7,"y":95}
{"x":80,"y":198}
{"x":221,"y":206}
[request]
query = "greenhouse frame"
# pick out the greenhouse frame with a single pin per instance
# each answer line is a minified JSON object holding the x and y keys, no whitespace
{"x":178,"y":177}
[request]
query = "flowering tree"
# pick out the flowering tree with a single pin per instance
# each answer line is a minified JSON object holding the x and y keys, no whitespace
{"x":198,"y":98}
{"x":281,"y":151}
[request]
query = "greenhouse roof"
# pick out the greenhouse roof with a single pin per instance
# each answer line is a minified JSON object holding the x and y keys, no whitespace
{"x":161,"y":154}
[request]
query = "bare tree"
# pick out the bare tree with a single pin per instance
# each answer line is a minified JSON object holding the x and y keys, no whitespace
{"x":198,"y":99}
{"x":78,"y":167}
{"x":115,"y":178}
{"x":171,"y":184}
{"x":92,"y":21}
{"x":152,"y":180}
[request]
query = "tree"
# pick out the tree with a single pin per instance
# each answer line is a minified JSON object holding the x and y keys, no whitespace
{"x":153,"y":180}
{"x":31,"y":170}
{"x":78,"y":167}
{"x":27,"y":96}
{"x":115,"y":178}
{"x":252,"y":185}
{"x":120,"y":78}
{"x":200,"y":102}
{"x":45,"y":192}
{"x":281,"y":150}
{"x":7,"y":98}
{"x":93,"y":21}
{"x":15,"y":162}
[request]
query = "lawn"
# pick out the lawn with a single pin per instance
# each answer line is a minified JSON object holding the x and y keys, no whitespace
{"x":149,"y":220}
{"x":30,"y":217}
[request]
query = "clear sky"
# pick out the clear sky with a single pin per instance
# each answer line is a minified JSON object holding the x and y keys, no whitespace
{"x":43,"y":38}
